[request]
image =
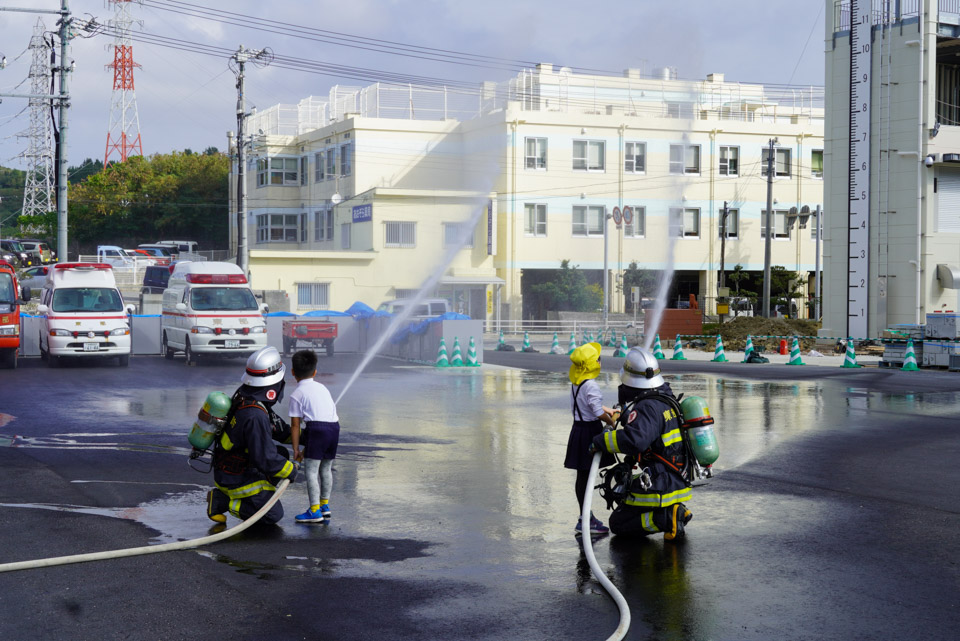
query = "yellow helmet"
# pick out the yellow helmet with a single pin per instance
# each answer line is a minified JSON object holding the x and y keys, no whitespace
{"x":586,"y":363}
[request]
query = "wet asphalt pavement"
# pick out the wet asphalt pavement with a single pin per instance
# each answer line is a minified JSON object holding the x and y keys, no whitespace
{"x":833,"y":514}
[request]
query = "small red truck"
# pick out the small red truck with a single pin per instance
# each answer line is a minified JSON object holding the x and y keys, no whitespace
{"x":10,"y":301}
{"x":315,"y":332}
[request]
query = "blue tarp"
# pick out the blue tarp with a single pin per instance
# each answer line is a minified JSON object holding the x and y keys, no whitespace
{"x":360,"y":310}
{"x":325,"y":312}
{"x":281,"y":314}
{"x":421,"y":327}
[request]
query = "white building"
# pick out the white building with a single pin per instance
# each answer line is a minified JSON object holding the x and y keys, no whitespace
{"x":543,"y":160}
{"x":912,"y":261}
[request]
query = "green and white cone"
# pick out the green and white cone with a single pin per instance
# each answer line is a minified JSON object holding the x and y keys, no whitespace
{"x":910,"y":361}
{"x":612,"y":338}
{"x":555,"y":348}
{"x":795,"y":353}
{"x":657,"y":349}
{"x":719,"y":356}
{"x":442,"y":354}
{"x":502,"y":342}
{"x":850,"y":360}
{"x":526,"y":341}
{"x":747,"y":350}
{"x":678,"y":350}
{"x":472,"y":354}
{"x":456,"y":360}
{"x":622,"y":350}
{"x":573,"y":344}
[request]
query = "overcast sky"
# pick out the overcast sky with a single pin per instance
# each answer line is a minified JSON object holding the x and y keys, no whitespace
{"x":187,"y":99}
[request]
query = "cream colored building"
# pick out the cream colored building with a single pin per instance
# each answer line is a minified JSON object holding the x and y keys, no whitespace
{"x":913,"y":256}
{"x":538,"y":164}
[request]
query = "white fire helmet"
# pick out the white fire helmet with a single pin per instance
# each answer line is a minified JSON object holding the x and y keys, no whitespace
{"x":264,"y":368}
{"x":640,"y":370}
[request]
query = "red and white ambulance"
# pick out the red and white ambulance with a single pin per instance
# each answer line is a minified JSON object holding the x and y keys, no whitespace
{"x":208,"y":308}
{"x":83,"y":314}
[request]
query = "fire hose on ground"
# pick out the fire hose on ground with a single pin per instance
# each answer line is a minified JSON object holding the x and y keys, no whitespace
{"x":150,"y":549}
{"x":621,"y":602}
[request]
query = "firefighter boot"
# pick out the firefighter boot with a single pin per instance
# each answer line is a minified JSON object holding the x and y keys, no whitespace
{"x":216,"y":506}
{"x":679,"y":516}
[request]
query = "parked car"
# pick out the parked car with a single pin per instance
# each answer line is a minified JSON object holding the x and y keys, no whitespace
{"x":39,"y":251}
{"x":160,"y":251}
{"x":34,"y":277}
{"x":155,"y":279}
{"x":424,"y":309}
{"x":12,"y":247}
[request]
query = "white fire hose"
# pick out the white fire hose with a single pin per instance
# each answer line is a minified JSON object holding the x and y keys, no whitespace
{"x":149,"y":549}
{"x":621,"y":630}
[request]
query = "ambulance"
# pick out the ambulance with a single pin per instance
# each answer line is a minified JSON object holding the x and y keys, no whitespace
{"x":83,"y":314}
{"x":209,"y":309}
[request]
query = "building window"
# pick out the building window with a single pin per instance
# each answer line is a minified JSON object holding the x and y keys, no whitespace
{"x":588,"y":220}
{"x":323,"y":225}
{"x":346,"y":159}
{"x":781,"y":162}
{"x":535,"y":220}
{"x":816,"y":163}
{"x":304,"y":163}
{"x":684,"y":159}
{"x":263,"y":228}
{"x":400,"y":234}
{"x":535,"y":154}
{"x":635,"y":158}
{"x":345,"y":235}
{"x":638,"y":226}
{"x":453,"y":234}
{"x":303,"y":228}
{"x":313,"y":295}
{"x":685,"y":222}
{"x":589,"y":155}
{"x":278,"y":228}
{"x":331,"y":163}
{"x":679,"y":110}
{"x":729,"y":161}
{"x":277,"y":171}
{"x":732,"y":224}
{"x":780,"y":229}
{"x":318,"y":167}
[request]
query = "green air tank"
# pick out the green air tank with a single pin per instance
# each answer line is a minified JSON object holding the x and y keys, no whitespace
{"x":698,"y":430}
{"x":209,"y":420}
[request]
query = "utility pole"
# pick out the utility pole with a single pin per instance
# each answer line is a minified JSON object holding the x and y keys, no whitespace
{"x":262,"y":57}
{"x":64,"y":68}
{"x":606,"y":288}
{"x":816,"y":294}
{"x":769,"y":227}
{"x":723,"y":248}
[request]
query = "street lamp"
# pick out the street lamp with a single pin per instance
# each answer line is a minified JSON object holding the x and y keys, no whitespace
{"x":803,"y":215}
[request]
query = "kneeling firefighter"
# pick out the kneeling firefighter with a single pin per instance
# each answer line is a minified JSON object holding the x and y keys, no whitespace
{"x":247,"y":464}
{"x":650,"y":437}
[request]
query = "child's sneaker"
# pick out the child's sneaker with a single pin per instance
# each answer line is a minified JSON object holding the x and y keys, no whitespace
{"x":325,"y":511}
{"x":309,"y":517}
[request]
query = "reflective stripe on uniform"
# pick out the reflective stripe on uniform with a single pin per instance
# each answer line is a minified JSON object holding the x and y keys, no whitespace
{"x":235,"y":508}
{"x":659,"y":500}
{"x":647,"y":522}
{"x":671,"y":437}
{"x":251,"y":489}
{"x":225,"y":442}
{"x":610,"y":440}
{"x":285,"y":471}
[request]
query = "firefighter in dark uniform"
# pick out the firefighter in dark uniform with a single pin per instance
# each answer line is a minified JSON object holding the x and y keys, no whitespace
{"x":649,"y":433}
{"x":247,"y":463}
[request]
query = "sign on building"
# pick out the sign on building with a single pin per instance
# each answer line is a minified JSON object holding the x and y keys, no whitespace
{"x":363,"y":213}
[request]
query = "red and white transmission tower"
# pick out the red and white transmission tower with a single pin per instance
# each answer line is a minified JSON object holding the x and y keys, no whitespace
{"x":123,"y":135}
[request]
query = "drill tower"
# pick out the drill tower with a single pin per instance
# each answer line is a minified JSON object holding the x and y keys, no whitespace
{"x":38,"y":191}
{"x":123,"y":135}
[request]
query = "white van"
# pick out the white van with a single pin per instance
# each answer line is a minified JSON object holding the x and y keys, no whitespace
{"x":83,"y":314}
{"x":208,"y":308}
{"x":424,"y":309}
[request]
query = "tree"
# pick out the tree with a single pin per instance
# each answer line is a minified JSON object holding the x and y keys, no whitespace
{"x":179,"y":194}
{"x":647,"y":280}
{"x":563,"y":289}
{"x":784,"y":287}
{"x":740,"y":279}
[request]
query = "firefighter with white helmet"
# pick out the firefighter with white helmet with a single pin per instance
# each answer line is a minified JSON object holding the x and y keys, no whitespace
{"x":649,"y":434}
{"x":247,"y":463}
